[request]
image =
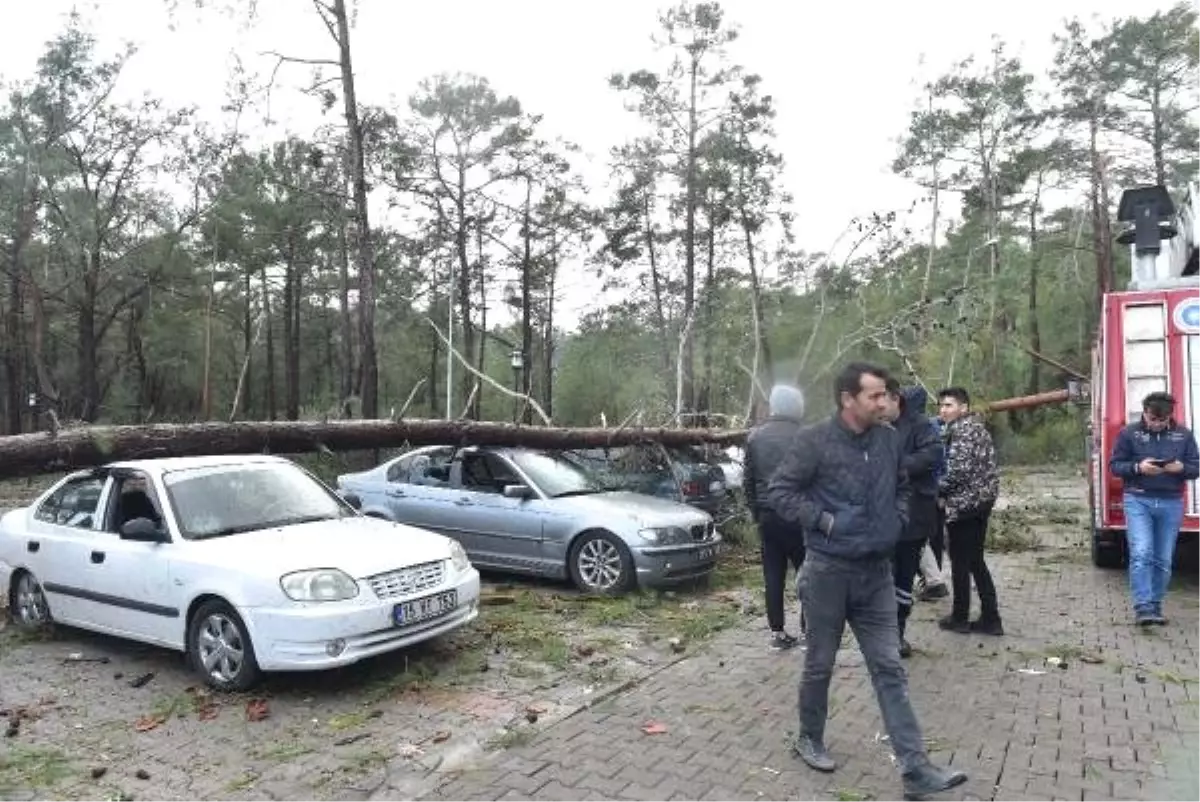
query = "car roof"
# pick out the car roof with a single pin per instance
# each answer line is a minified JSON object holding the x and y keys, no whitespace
{"x":165,"y":464}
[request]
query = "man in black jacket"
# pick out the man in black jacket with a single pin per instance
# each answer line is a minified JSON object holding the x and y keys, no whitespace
{"x":921,"y":446}
{"x":765,"y":446}
{"x":843,"y":480}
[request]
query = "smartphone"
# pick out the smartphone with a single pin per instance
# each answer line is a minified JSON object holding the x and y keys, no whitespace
{"x":1161,"y":463}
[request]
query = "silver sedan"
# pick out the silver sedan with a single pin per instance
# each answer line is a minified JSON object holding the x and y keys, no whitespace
{"x":533,"y":512}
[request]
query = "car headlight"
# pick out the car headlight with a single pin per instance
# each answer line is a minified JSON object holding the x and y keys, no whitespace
{"x":458,"y":557}
{"x":665,"y":535}
{"x":319,"y":584}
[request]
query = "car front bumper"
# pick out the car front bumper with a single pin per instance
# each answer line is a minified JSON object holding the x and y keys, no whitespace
{"x":666,"y":565}
{"x":331,"y":635}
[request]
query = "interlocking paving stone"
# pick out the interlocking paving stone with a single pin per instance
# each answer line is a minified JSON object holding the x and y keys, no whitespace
{"x":1119,"y":724}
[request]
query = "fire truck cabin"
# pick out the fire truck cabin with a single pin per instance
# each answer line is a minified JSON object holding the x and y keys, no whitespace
{"x":1148,"y":340}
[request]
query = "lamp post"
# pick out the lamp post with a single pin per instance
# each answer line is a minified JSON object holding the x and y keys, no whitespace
{"x":517,"y":359}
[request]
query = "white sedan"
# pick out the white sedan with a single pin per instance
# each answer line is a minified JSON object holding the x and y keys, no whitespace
{"x":247,"y":564}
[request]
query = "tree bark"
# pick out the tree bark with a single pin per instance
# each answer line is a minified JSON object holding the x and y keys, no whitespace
{"x":364,"y":252}
{"x":32,"y":454}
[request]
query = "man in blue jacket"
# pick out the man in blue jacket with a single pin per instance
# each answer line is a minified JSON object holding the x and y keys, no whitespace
{"x":1154,"y":457}
{"x":843,"y":481}
{"x":921,"y":446}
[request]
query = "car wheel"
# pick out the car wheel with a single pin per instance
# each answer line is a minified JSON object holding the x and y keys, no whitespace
{"x":29,"y":609}
{"x":600,"y":563}
{"x":219,"y":647}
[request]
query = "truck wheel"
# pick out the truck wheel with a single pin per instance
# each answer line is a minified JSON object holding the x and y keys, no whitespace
{"x":1108,"y":552}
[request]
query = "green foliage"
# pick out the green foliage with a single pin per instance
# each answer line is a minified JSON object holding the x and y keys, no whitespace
{"x":238,"y":297}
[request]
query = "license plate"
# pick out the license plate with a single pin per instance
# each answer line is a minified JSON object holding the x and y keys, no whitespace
{"x":706,"y":553}
{"x":412,"y":612}
{"x":716,"y":487}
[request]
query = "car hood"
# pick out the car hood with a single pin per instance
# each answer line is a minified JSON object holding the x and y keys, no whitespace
{"x":642,"y":509}
{"x":360,"y":546}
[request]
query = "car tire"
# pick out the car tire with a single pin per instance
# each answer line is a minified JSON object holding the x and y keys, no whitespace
{"x":600,"y":564}
{"x":27,"y":604}
{"x":217,"y":636}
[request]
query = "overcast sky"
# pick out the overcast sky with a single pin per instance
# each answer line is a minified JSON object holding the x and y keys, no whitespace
{"x":844,"y":75}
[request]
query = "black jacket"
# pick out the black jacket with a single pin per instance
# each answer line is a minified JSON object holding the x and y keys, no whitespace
{"x":922,"y":444}
{"x":848,"y":490}
{"x":766,"y":446}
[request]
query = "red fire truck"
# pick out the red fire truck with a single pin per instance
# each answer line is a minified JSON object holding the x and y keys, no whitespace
{"x":1149,"y":339}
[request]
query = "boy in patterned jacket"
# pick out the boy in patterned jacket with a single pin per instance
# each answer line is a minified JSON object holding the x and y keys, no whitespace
{"x":967,"y":493}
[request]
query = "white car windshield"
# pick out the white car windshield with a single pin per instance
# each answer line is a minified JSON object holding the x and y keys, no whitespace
{"x":556,"y":476}
{"x":229,"y":499}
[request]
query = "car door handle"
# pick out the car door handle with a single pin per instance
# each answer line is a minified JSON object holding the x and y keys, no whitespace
{"x":396,"y":493}
{"x":97,"y":556}
{"x":32,"y":546}
{"x":464,"y":502}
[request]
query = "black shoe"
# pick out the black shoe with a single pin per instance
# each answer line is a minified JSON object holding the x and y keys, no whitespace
{"x":781,"y":641}
{"x":1145,"y":617}
{"x":952,"y":624}
{"x":928,"y":779}
{"x":938,"y":591}
{"x":814,"y":754}
{"x":988,"y":626}
{"x":1156,"y":616}
{"x":905,"y":649}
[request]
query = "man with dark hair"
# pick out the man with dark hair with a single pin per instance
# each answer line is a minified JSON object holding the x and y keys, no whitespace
{"x":781,"y":543}
{"x":843,"y":480}
{"x":967,"y":493}
{"x":1154,"y":457}
{"x":921,"y":447}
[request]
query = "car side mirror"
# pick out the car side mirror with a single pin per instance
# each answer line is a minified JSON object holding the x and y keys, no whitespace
{"x":518,"y":491}
{"x":352,"y":499}
{"x":142,"y":530}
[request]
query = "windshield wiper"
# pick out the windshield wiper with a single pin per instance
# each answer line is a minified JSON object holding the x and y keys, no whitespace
{"x":229,"y":530}
{"x":237,"y":530}
{"x":583,"y":491}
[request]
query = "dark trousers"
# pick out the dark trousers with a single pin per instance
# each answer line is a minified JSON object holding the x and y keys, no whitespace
{"x":937,"y":539}
{"x":863,"y":594}
{"x":965,"y":538}
{"x":781,"y":544}
{"x":906,"y":563}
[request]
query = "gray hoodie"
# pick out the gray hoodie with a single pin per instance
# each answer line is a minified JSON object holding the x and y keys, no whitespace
{"x":768,"y":442}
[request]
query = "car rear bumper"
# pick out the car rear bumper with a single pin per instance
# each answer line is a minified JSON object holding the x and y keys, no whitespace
{"x":665,"y":565}
{"x":298,"y":639}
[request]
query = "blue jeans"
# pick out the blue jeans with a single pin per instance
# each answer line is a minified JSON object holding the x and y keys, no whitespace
{"x":1152,"y":527}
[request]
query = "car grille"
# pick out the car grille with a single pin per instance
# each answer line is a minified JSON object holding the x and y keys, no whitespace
{"x":702,"y":531}
{"x":408,"y":580}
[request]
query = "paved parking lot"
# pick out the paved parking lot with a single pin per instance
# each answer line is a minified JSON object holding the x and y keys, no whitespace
{"x":1117,"y":720}
{"x":550,"y":696}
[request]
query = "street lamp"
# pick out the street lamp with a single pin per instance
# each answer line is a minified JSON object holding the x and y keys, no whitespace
{"x":517,"y":359}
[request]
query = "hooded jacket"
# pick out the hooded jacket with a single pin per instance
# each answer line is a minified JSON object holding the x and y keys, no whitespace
{"x":972,"y":482}
{"x":768,"y":442}
{"x":847,"y":489}
{"x":921,"y":443}
{"x":1136,"y":443}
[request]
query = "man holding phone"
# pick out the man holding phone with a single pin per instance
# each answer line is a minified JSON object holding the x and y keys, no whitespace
{"x":1154,"y":457}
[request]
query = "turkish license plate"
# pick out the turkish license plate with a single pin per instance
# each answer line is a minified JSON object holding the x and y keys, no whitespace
{"x":706,"y":553}
{"x":412,"y":612}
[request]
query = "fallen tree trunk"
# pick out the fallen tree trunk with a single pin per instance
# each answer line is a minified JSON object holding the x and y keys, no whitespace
{"x":85,"y":447}
{"x":1029,"y":401}
{"x":89,"y":446}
